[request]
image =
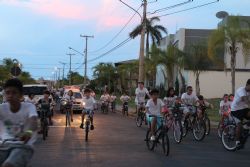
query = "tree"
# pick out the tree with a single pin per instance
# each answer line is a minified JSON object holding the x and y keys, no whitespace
{"x":232,"y":36}
{"x":105,"y":73}
{"x":197,"y":60}
{"x":26,"y":78}
{"x":154,"y":31}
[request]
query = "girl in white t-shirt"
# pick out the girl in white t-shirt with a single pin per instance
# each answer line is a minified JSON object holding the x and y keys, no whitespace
{"x":154,"y":108}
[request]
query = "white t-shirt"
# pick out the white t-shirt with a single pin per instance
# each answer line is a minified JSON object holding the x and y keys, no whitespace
{"x":89,"y":103}
{"x":30,"y":100}
{"x":169,"y":101}
{"x":140,"y":95}
{"x":112,"y":98}
{"x":225,"y":106}
{"x":11,"y":124}
{"x":189,"y":99}
{"x":124,"y":98}
{"x":238,"y":104}
{"x":154,"y":109}
{"x":105,"y":98}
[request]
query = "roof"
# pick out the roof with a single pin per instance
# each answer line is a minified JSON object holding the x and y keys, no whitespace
{"x":125,"y":62}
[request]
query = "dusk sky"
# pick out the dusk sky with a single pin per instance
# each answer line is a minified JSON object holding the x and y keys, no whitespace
{"x":39,"y":32}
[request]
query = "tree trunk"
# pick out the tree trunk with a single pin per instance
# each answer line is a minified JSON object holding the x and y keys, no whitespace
{"x":233,"y":51}
{"x":197,"y":83}
{"x":183,"y":85}
{"x":147,"y":45}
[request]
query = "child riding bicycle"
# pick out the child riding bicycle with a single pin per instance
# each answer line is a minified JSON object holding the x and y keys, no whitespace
{"x":89,"y":104}
{"x":154,"y":108}
{"x":18,"y":121}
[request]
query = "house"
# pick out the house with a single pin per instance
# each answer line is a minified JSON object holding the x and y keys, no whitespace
{"x":215,"y":81}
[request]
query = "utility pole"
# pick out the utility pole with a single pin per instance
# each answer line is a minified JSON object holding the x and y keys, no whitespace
{"x":143,"y":31}
{"x":63,"y":71}
{"x":86,"y":54}
{"x":142,"y":43}
{"x":70,"y":72}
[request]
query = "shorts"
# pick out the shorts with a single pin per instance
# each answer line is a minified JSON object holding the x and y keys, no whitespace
{"x":191,"y":109}
{"x":18,"y":157}
{"x":239,"y":115}
{"x":89,"y":112}
{"x":150,"y":119}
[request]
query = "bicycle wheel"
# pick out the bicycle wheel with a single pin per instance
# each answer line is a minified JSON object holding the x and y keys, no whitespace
{"x":219,"y":129}
{"x":177,"y":131}
{"x":87,"y":131}
{"x":228,"y":137}
{"x":165,"y":143}
{"x":44,"y":129}
{"x":150,"y":144}
{"x":207,"y":122}
{"x":138,"y":119}
{"x":199,"y":129}
{"x":185,"y":128}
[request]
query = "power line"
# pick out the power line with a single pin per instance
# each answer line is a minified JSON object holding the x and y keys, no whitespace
{"x":170,"y":7}
{"x":117,"y":33}
{"x":195,"y":7}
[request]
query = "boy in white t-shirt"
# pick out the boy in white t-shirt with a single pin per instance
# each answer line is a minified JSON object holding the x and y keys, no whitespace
{"x":154,"y":108}
{"x":225,"y":106}
{"x":18,"y":120}
{"x":89,"y":104}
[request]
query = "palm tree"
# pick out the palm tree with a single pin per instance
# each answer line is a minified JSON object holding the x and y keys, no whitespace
{"x":233,"y":35}
{"x":105,"y":74}
{"x":154,"y":31}
{"x":197,"y":60}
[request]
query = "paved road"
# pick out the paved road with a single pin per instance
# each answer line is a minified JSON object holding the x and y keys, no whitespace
{"x":117,"y":142}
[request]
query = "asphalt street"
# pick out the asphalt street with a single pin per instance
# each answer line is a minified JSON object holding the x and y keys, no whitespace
{"x":117,"y":142}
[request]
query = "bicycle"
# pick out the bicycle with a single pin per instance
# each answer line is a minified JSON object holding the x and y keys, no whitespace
{"x":196,"y":125}
{"x":161,"y":137}
{"x":223,"y":123}
{"x":44,"y":123}
{"x":67,"y":107}
{"x":173,"y":121}
{"x":228,"y":136}
{"x":125,"y":109}
{"x":105,"y":107}
{"x":140,"y":115}
{"x":87,"y":123}
{"x":6,"y":146}
{"x":206,"y":119}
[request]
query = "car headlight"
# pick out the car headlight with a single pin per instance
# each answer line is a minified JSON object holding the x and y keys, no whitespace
{"x":83,"y":103}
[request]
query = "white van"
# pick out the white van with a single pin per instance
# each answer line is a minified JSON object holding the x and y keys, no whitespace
{"x":35,"y":89}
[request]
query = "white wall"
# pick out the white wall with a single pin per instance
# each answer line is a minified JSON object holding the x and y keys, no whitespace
{"x":214,"y":84}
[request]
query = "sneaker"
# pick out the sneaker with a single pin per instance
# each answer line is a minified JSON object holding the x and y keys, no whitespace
{"x":81,"y":126}
{"x":152,"y":138}
{"x":92,"y":127}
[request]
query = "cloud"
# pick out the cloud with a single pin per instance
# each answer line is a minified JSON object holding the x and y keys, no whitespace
{"x":106,"y":13}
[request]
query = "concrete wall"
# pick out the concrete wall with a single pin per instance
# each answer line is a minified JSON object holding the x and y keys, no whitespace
{"x":214,"y":84}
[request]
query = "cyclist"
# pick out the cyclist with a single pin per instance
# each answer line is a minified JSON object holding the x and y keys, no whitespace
{"x":201,"y":105}
{"x":113,"y":101}
{"x":140,"y":94}
{"x":45,"y":104}
{"x":18,"y":120}
{"x":189,"y":99}
{"x":231,"y":98}
{"x":169,"y":100}
{"x":124,"y":99}
{"x":30,"y":99}
{"x":225,"y":106}
{"x":105,"y":98}
{"x":154,"y":107}
{"x":89,"y":103}
{"x":69,"y":96}
{"x":240,"y":109}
